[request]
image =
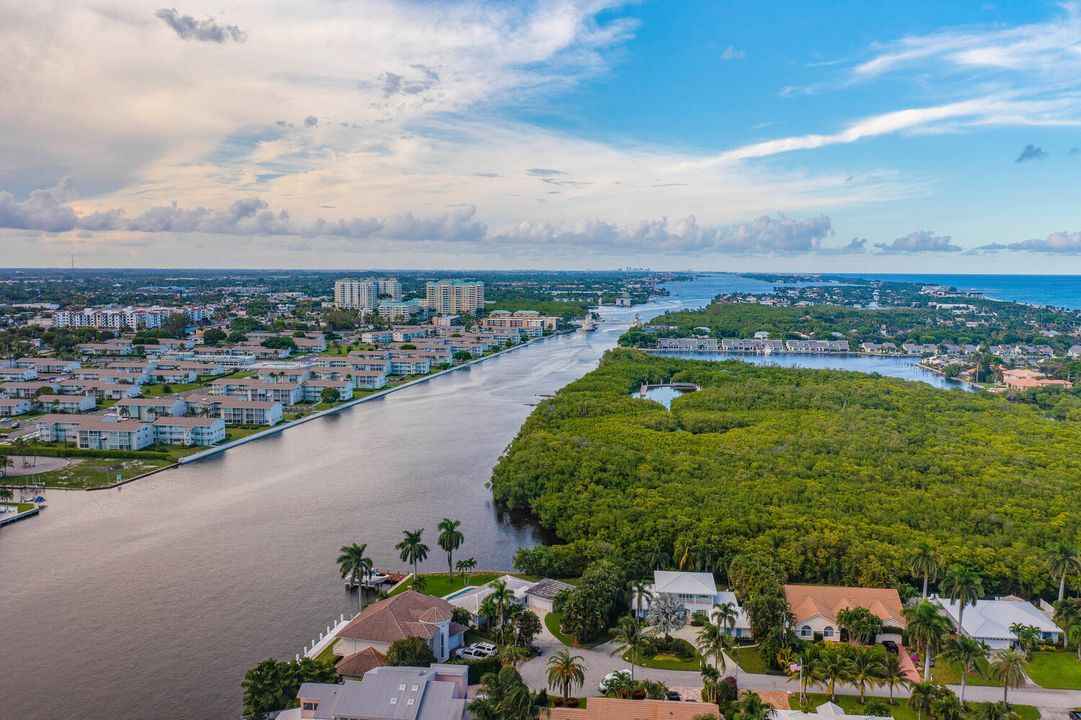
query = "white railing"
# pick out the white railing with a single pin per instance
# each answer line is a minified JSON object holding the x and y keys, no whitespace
{"x":320,"y":643}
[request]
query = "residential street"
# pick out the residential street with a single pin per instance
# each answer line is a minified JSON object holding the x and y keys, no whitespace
{"x":1053,"y":704}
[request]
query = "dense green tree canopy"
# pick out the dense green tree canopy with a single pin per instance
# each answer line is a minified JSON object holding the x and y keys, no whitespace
{"x":836,"y":476}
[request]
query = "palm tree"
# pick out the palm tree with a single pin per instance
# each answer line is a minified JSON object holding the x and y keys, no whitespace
{"x":866,"y":668}
{"x":412,"y":549}
{"x":463,"y":566}
{"x":926,"y":628}
{"x":994,"y":711}
{"x":712,"y":642}
{"x":1074,"y":636}
{"x":923,"y":563}
{"x":809,"y":670}
{"x":354,"y":565}
{"x":565,"y":672}
{"x":724,"y":614}
{"x":639,"y":591}
{"x":450,"y":539}
{"x":948,"y":707}
{"x":1062,"y":559}
{"x":501,"y":595}
{"x":1067,"y":613}
{"x":922,"y":698}
{"x":963,"y":584}
{"x":894,"y":674}
{"x":966,"y":652}
{"x":834,"y":668}
{"x":751,"y":707}
{"x":1008,"y":668}
{"x":629,"y":635}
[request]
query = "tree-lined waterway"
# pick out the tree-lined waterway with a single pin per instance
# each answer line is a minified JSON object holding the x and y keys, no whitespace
{"x":151,"y":600}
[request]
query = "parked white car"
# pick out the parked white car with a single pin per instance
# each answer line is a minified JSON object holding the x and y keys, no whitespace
{"x":477,"y":651}
{"x":603,"y":684}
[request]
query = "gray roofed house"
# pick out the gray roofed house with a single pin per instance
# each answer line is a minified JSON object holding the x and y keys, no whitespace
{"x":388,"y":693}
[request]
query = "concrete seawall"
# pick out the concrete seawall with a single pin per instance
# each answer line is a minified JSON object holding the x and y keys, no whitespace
{"x":209,"y":452}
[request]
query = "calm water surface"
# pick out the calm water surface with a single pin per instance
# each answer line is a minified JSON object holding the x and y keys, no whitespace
{"x":150,"y":600}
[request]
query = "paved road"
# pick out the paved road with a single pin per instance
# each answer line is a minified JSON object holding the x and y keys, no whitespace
{"x":1053,"y":704}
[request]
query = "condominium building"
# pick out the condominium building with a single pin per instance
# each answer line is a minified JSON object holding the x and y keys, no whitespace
{"x":356,"y":294}
{"x":527,"y":321}
{"x":115,"y":435}
{"x":189,"y":430}
{"x":399,"y":310}
{"x":449,"y":297}
{"x":390,"y":288}
{"x":237,"y":411}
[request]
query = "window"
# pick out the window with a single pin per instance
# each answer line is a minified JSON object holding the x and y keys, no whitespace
{"x":805,"y":631}
{"x":394,"y":701}
{"x":309,"y":706}
{"x":411,"y":701}
{"x":828,"y":632}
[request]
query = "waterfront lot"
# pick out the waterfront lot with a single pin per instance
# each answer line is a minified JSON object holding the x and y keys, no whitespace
{"x":83,"y":473}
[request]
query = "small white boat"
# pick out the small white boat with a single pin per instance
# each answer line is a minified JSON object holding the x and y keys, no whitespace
{"x":377,"y":578}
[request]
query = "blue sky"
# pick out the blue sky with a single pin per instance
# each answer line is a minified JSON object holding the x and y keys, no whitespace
{"x":848,"y":136}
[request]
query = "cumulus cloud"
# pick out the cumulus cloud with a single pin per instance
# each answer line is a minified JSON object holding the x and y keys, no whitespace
{"x":920,"y":241}
{"x":1057,"y":243}
{"x":45,"y":211}
{"x":767,"y":235}
{"x":209,"y":30}
{"x":1031,"y":152}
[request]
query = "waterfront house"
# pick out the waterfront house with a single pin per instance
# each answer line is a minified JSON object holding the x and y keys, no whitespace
{"x":990,"y":620}
{"x":238,"y":411}
{"x":313,"y":389}
{"x":388,"y":693}
{"x":408,"y":614}
{"x":695,"y":591}
{"x":536,"y":595}
{"x":818,"y":346}
{"x":114,"y":435}
{"x":605,"y":708}
{"x":189,"y":430}
{"x":14,"y":406}
{"x":828,"y":710}
{"x":815,"y":609}
{"x":66,"y":403}
{"x":149,"y":409}
{"x":368,"y":379}
{"x":688,"y":344}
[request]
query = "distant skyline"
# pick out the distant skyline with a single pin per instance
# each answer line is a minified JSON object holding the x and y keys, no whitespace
{"x":809,"y":136}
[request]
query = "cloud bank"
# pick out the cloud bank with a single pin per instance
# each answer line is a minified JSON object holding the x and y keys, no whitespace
{"x":209,"y":30}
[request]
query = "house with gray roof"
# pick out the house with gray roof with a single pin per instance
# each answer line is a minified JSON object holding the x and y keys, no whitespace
{"x":388,"y":693}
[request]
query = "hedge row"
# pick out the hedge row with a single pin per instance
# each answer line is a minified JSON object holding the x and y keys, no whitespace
{"x":45,"y":451}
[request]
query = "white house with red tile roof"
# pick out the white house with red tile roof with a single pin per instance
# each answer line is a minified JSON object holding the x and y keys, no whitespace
{"x":406,"y":615}
{"x":815,"y":608}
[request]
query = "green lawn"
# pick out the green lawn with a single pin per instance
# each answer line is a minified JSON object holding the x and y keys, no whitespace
{"x":235,"y":433}
{"x":552,"y":621}
{"x":750,"y":660}
{"x":19,"y":507}
{"x":439,"y":585}
{"x":328,"y":656}
{"x":666,"y":662}
{"x":949,"y":674}
{"x":159,"y":389}
{"x":1055,"y":670}
{"x":900,"y":711}
{"x":92,"y":472}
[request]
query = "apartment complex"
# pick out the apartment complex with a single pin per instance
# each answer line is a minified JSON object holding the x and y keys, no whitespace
{"x":136,"y":318}
{"x":391,"y":288}
{"x":357,"y":294}
{"x":450,"y":297}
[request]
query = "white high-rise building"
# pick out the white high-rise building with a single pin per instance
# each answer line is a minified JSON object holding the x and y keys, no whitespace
{"x":356,"y":294}
{"x":450,"y":297}
{"x":391,"y":288}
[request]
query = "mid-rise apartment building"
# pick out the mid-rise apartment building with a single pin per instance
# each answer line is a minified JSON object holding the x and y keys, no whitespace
{"x":356,"y":294}
{"x":450,"y":297}
{"x":390,"y":288}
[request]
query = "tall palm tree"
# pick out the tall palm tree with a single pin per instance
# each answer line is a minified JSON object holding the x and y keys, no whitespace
{"x":926,"y":628}
{"x":1062,"y":559}
{"x":922,"y":697}
{"x":463,"y":566}
{"x":994,"y":711}
{"x":639,"y":591}
{"x":412,"y":549}
{"x":502,"y":596}
{"x":1067,"y":612}
{"x":1008,"y":668}
{"x":724,"y":614}
{"x":712,"y":643}
{"x":966,"y":652}
{"x":450,"y":539}
{"x":565,"y":672}
{"x":834,"y":667}
{"x":629,"y":635}
{"x":922,"y":563}
{"x":866,"y":668}
{"x":894,"y":674}
{"x":947,"y":706}
{"x":1074,"y":636}
{"x":354,"y":566}
{"x":963,"y":584}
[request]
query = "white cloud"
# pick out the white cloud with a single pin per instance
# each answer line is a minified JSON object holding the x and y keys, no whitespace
{"x":733,"y":53}
{"x":920,"y":241}
{"x":1057,"y":243}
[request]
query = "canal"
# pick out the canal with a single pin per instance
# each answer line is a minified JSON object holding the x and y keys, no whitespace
{"x":150,"y":600}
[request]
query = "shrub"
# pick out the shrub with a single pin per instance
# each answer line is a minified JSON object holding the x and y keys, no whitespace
{"x":45,"y":451}
{"x":877,"y":708}
{"x":479,"y":668}
{"x":412,"y":652}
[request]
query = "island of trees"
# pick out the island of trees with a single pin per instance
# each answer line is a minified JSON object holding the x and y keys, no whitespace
{"x":839,"y":477}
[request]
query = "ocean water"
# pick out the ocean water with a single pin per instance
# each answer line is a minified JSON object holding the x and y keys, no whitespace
{"x":1054,"y":290}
